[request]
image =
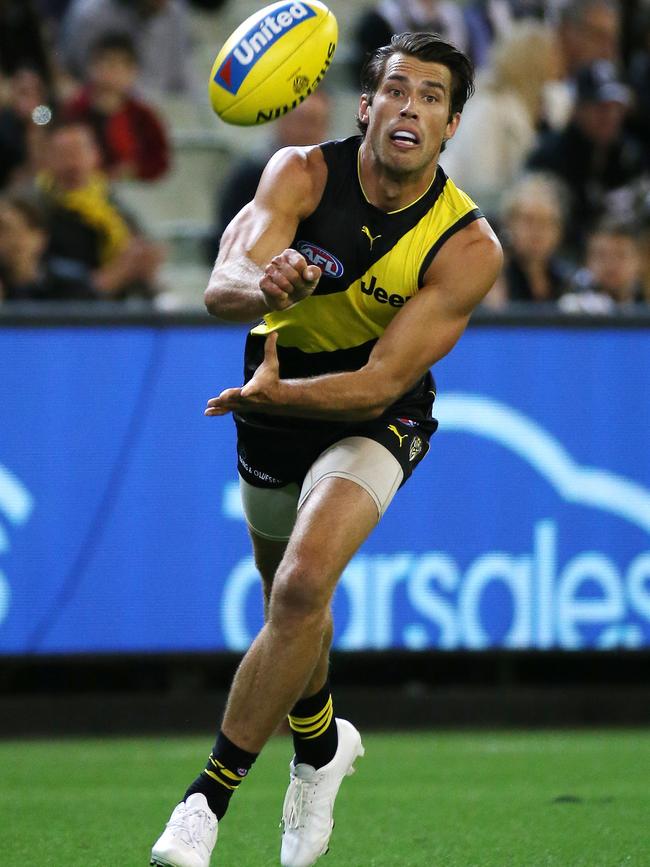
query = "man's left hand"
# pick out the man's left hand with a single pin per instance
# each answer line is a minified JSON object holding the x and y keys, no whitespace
{"x":262,"y":391}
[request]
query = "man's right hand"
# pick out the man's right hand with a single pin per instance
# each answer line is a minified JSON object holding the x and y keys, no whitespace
{"x":288,"y":278}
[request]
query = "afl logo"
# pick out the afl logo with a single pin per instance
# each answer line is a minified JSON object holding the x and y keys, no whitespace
{"x":315,"y":255}
{"x":257,"y":42}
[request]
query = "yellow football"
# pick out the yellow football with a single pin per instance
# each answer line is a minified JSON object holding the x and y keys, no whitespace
{"x":273,"y":61}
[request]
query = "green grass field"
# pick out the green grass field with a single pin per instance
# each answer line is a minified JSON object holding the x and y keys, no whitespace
{"x":569,"y":799}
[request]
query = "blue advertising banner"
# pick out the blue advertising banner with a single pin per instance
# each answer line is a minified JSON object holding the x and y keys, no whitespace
{"x":527,"y":525}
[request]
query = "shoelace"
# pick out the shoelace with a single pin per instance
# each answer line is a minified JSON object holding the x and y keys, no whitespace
{"x":193,"y":823}
{"x":296,"y":803}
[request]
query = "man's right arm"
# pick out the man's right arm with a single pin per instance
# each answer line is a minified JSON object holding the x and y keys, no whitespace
{"x":289,"y":190}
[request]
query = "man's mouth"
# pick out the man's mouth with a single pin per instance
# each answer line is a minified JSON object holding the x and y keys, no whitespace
{"x":404,"y":138}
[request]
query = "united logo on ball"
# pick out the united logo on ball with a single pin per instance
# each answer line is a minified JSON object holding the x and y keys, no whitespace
{"x":273,"y":61}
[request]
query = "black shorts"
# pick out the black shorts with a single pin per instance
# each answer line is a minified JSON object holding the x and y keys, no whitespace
{"x":271,"y":457}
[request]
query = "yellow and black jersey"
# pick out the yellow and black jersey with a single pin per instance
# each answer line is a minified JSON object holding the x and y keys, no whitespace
{"x":372,"y":263}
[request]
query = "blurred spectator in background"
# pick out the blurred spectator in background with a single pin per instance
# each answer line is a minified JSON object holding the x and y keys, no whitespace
{"x":593,"y":155}
{"x":25,"y":273}
{"x":22,"y":42}
{"x":500,"y":122}
{"x":378,"y":23}
{"x":306,"y":125}
{"x":22,"y":133}
{"x":86,"y":227}
{"x":132,"y":139}
{"x":531,"y":230}
{"x":589,"y":30}
{"x":611,"y":277}
{"x":490,"y":20}
{"x":159,"y":30}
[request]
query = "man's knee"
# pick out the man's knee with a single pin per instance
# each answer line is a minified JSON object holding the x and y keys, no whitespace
{"x":299,"y":596}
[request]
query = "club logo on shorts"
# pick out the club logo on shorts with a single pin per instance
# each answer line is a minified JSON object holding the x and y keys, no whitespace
{"x":315,"y":255}
{"x":400,"y":437}
{"x":257,"y":42}
{"x":416,"y":448}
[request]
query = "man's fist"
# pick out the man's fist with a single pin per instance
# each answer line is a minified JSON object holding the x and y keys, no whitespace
{"x":288,"y":279}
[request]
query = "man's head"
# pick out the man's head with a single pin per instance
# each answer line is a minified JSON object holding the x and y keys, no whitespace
{"x":413,"y":92}
{"x":73,"y":155}
{"x":589,"y":30}
{"x":113,"y":63}
{"x":427,"y":48}
{"x":602,"y":102}
{"x":614,"y":260}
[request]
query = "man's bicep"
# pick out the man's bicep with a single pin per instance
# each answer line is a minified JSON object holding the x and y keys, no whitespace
{"x":431,"y":323}
{"x":288,"y":191}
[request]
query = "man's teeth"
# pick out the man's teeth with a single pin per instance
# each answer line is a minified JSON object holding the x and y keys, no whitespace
{"x":402,"y":135}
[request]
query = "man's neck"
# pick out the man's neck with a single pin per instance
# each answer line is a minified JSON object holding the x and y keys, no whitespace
{"x":387,"y":190}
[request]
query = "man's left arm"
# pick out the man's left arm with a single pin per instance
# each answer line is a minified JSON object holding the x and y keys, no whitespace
{"x":422,"y":333}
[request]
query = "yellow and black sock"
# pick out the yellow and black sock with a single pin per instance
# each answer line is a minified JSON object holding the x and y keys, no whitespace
{"x":227,"y":766}
{"x":315,"y":736}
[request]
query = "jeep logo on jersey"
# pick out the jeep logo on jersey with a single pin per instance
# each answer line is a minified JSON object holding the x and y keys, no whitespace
{"x":257,"y":42}
{"x":315,"y":255}
{"x":381,"y":295}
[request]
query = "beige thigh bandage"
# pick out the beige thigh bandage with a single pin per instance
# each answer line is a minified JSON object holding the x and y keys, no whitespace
{"x":361,"y":460}
{"x":270,"y":512}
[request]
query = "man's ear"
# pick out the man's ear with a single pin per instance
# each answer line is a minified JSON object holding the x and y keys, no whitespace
{"x":364,"y":106}
{"x":452,"y":126}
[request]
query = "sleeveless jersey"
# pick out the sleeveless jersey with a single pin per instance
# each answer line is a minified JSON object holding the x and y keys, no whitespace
{"x":372,"y":263}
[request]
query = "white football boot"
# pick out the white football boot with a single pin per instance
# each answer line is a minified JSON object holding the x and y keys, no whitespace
{"x":308,"y":812}
{"x":189,"y":836}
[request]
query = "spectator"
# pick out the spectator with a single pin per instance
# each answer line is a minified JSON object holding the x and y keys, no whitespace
{"x":533,"y":214}
{"x":22,"y":131}
{"x":504,"y":114}
{"x":490,"y":20}
{"x":86,"y":226}
{"x":159,"y":30}
{"x":132,"y":139}
{"x":611,"y":277}
{"x":589,"y":30}
{"x":593,"y":155}
{"x":305,"y":125}
{"x":377,"y":24}
{"x":22,"y":43}
{"x":25,"y":275}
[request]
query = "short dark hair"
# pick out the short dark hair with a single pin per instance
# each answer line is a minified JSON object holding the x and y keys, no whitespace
{"x":116,"y":41}
{"x":617,"y":227}
{"x":429,"y":47}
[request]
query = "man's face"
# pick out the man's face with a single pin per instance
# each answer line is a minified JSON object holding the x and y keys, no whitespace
{"x":73,"y":157}
{"x":601,"y":122}
{"x":114,"y":71}
{"x":408,"y":119}
{"x":615,"y":264}
{"x":534,"y":228}
{"x":596,"y":37}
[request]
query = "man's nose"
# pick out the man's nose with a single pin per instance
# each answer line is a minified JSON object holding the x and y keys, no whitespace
{"x":409,"y":110}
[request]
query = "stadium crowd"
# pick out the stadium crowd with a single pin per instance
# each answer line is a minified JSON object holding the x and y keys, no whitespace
{"x":554,"y":145}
